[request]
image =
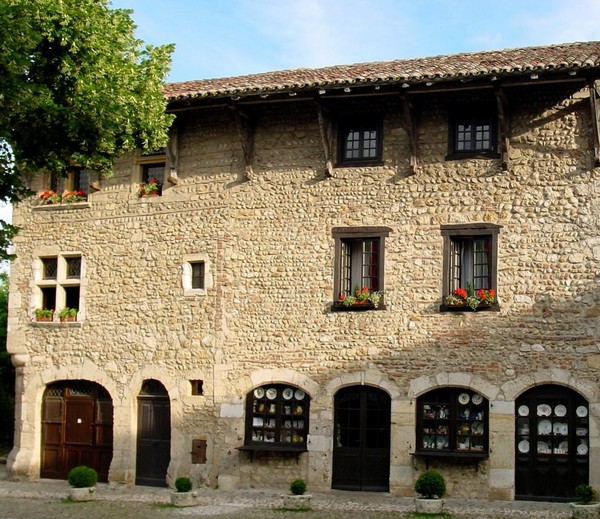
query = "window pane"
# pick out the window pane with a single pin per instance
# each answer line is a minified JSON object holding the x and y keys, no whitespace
{"x":72,"y":297}
{"x":48,"y":298}
{"x":49,"y":268}
{"x":73,"y":267}
{"x":153,"y":171}
{"x":81,"y":179}
{"x":198,"y":275}
{"x":361,"y":143}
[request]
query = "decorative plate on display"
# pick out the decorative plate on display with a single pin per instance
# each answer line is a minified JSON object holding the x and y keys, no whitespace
{"x":271,"y":393}
{"x":523,"y":446}
{"x":543,"y":447}
{"x":442,"y":443}
{"x":477,"y":399}
{"x":523,"y":410}
{"x":464,"y":398}
{"x":582,"y":449}
{"x":299,"y":394}
{"x":581,"y":431}
{"x":259,"y":392}
{"x":564,"y":447}
{"x":288,"y":393}
{"x":581,"y":411}
{"x":477,"y":428}
{"x":560,"y":410}
{"x":544,"y":427}
{"x":557,"y":428}
{"x":544,"y":410}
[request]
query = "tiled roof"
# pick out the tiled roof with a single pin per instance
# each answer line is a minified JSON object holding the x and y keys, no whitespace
{"x":501,"y":63}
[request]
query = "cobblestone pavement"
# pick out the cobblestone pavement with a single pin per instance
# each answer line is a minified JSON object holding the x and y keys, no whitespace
{"x":46,"y":499}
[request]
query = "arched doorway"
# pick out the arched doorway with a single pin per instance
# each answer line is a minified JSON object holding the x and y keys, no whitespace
{"x":551,"y":443}
{"x":77,"y":428}
{"x":153,"y":435}
{"x":361,"y":446}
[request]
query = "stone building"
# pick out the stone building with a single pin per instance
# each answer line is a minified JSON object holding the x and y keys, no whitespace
{"x":273,"y":302}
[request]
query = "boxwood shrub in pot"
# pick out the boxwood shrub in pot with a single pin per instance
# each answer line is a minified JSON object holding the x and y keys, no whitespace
{"x":297,"y":500}
{"x":431,"y":486}
{"x":585,"y":507}
{"x":183,"y":495}
{"x":83,"y":480}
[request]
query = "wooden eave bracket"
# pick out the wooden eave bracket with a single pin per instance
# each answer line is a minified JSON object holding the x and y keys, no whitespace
{"x":245,"y":127}
{"x":595,"y":124}
{"x":504,"y":126}
{"x":172,"y":155}
{"x":410,"y":122}
{"x":326,"y":128}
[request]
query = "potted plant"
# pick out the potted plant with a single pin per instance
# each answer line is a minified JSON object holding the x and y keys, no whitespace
{"x":44,"y":314}
{"x":431,"y":486}
{"x":183,"y":495}
{"x":585,"y":507}
{"x":150,"y":188}
{"x":71,"y":197}
{"x":83,"y":482}
{"x":361,"y":296}
{"x":470,"y":297}
{"x":67,"y":315}
{"x":297,"y":499}
{"x":49,"y":197}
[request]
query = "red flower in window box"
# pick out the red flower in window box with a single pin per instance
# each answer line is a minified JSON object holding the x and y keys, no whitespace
{"x":70,"y":197}
{"x":50,"y":197}
{"x":362,"y":296}
{"x":150,"y":188}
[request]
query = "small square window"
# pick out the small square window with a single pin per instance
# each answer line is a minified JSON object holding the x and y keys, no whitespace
{"x":196,"y":275}
{"x":360,"y":142}
{"x":472,"y":132}
{"x":153,"y":171}
{"x":197,"y":387}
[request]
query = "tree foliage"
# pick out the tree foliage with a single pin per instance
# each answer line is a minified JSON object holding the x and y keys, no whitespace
{"x":76,"y":88}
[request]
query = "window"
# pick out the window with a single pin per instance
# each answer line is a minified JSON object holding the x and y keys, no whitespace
{"x":277,"y":416}
{"x":152,"y":167}
{"x":452,"y":421}
{"x":59,"y":282}
{"x":196,"y":278}
{"x":359,"y":260}
{"x":472,"y":132}
{"x":360,"y":142}
{"x":470,"y":257}
{"x":77,"y":179}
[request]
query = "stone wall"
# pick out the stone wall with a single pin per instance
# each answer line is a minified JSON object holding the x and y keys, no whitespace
{"x":267,"y":316}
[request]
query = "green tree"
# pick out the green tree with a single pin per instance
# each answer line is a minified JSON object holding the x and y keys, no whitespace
{"x":7,"y":372}
{"x":76,"y":87}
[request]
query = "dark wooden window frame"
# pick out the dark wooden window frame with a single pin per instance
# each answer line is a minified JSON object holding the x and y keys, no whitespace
{"x":279,"y":418}
{"x":359,"y":123}
{"x":480,"y":113}
{"x":341,"y":234}
{"x":430,"y":425}
{"x":454,"y":232}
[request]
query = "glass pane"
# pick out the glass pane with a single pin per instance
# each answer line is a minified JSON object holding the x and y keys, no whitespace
{"x":49,"y":268}
{"x":156,"y":171}
{"x":73,"y":267}
{"x":198,"y":275}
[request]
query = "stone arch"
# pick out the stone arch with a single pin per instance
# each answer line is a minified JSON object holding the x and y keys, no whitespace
{"x":588,"y":389}
{"x":281,"y":375}
{"x":422,"y":385}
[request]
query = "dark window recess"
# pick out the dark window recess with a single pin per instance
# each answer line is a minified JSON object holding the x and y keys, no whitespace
{"x":50,"y":268}
{"x":359,"y":260}
{"x":473,"y":133}
{"x":154,"y":171}
{"x":48,"y":298}
{"x":470,"y":257}
{"x":73,"y":267}
{"x":197,"y":387}
{"x":197,"y":274}
{"x":277,"y":416}
{"x":452,"y":421}
{"x":360,"y":142}
{"x":81,"y":179}
{"x":72,"y":297}
{"x":57,"y":182}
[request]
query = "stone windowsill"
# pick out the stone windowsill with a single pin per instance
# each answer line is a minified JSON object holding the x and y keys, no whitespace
{"x":61,"y":207}
{"x":56,"y":324}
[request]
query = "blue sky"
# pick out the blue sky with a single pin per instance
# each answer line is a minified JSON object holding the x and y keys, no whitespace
{"x":219,"y":38}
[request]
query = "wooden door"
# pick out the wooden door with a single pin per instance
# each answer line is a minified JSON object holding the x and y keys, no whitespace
{"x":153,"y":435}
{"x":361,"y":452}
{"x":551,"y":444}
{"x":77,"y":420}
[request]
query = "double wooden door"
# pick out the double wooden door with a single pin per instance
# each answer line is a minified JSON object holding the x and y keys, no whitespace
{"x":361,"y":452}
{"x":77,"y":429}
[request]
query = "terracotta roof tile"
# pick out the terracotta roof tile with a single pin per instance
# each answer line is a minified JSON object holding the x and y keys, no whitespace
{"x":570,"y":56}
